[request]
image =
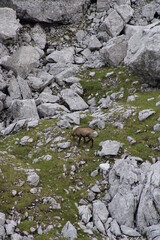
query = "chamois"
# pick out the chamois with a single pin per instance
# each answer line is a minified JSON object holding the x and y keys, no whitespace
{"x":84,"y":132}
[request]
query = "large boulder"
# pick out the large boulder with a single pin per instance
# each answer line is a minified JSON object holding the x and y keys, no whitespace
{"x":24,"y":109}
{"x":143,"y":54}
{"x":115,"y":50}
{"x":9,"y":25}
{"x":51,"y":109}
{"x":73,"y":100}
{"x":48,"y":11}
{"x":148,"y":213}
{"x":23,"y":61}
{"x":113,"y":23}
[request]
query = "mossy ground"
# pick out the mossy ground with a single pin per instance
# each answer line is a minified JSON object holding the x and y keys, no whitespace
{"x":68,"y":190}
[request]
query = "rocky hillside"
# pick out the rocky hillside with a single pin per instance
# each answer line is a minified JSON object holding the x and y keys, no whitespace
{"x":85,"y":63}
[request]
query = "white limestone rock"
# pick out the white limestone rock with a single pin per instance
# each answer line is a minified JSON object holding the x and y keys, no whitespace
{"x":109,"y":147}
{"x":9,"y":24}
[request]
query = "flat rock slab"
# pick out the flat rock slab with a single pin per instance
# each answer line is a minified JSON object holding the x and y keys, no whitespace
{"x":73,"y":100}
{"x":9,"y":25}
{"x":109,"y":147}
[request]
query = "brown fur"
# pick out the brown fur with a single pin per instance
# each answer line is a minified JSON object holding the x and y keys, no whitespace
{"x":84,"y":132}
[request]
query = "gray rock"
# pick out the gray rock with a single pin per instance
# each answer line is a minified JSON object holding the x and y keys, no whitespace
{"x":53,"y":203}
{"x":48,"y":11}
{"x":153,"y":232}
{"x":77,"y":87}
{"x":100,"y":211}
{"x":46,"y":97}
{"x":14,"y":90}
{"x":38,"y":36}
{"x":102,"y":5}
{"x":16,"y":236}
{"x":3,"y":84}
{"x":24,"y":109}
{"x":105,"y":102}
{"x":156,"y":127}
{"x":63,"y":56}
{"x":24,"y":88}
{"x":73,"y":118}
{"x":94,"y":43}
{"x":109,"y":147}
{"x":35,"y":83}
{"x":97,"y":123}
{"x":2,"y":218}
{"x":149,"y":204}
{"x":85,"y":213}
{"x":50,"y":109}
{"x":104,"y":166}
{"x":125,"y":11}
{"x":129,"y":231}
{"x":95,"y":189}
{"x":2,"y":232}
{"x":9,"y":25}
{"x":131,"y":140}
{"x":73,"y":100}
{"x":115,"y":50}
{"x":115,"y":229}
{"x":100,"y":215}
{"x":33,"y":179}
{"x":23,"y":61}
{"x":125,"y":179}
{"x":64,"y":145}
{"x":144,"y":114}
{"x":69,"y":231}
{"x":8,"y":129}
{"x":142,"y":47}
{"x":149,"y":11}
{"x":113,"y":23}
{"x":10,"y":227}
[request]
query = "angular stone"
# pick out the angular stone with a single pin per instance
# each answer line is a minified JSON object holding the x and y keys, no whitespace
{"x":115,"y":229}
{"x":39,"y":36}
{"x":48,"y":11}
{"x":85,"y":213}
{"x":115,"y":50}
{"x":50,"y":109}
{"x":156,"y":127}
{"x":33,"y":179}
{"x":63,"y":56}
{"x":114,"y":24}
{"x":69,"y":231}
{"x":9,"y":25}
{"x":143,"y":54}
{"x":144,"y":114}
{"x":109,"y":147}
{"x":23,"y":61}
{"x":24,"y":109}
{"x":153,"y":232}
{"x":94,"y":43}
{"x":129,"y":231}
{"x":73,"y":100}
{"x":149,"y":204}
{"x":125,"y":11}
{"x":2,"y":218}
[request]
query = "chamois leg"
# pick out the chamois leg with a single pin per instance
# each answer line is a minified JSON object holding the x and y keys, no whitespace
{"x":84,"y":138}
{"x":79,"y":140}
{"x":90,"y":139}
